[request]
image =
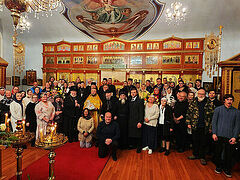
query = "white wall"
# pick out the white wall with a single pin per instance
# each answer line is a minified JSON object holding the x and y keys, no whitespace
{"x":205,"y":17}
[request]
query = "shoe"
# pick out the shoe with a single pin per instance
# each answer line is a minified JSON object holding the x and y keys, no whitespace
{"x":145,"y":148}
{"x":203,"y":162}
{"x":167,"y":153}
{"x":227,"y":173}
{"x":162,"y":149}
{"x":180,"y":150}
{"x":139,"y":150}
{"x":218,"y":170}
{"x":114,"y":157}
{"x":149,"y":151}
{"x":193,"y":157}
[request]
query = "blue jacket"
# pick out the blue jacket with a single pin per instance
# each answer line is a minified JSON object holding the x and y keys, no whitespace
{"x":226,"y":122}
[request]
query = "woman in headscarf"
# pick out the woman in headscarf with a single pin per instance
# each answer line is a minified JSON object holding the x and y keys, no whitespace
{"x":170,"y":98}
{"x":17,"y":110}
{"x":85,"y":127}
{"x":45,"y":112}
{"x":31,"y":118}
{"x":58,"y":104}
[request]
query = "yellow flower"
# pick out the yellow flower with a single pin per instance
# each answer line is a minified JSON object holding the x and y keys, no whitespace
{"x":2,"y":127}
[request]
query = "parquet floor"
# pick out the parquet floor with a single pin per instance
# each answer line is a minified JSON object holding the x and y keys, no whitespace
{"x":30,"y":155}
{"x":133,"y":166}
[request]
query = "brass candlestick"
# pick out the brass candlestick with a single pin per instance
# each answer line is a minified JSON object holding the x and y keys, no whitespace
{"x":17,"y":140}
{"x":18,"y":144}
{"x":50,"y":142}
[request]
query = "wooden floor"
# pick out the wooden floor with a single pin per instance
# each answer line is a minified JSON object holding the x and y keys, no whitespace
{"x":133,"y":166}
{"x":30,"y":155}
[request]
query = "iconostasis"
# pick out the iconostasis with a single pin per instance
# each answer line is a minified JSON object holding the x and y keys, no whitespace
{"x":120,"y":59}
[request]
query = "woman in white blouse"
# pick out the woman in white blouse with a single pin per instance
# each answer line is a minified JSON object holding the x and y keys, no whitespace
{"x":45,"y":112}
{"x":165,"y":126}
{"x":17,"y":110}
{"x":149,"y":127}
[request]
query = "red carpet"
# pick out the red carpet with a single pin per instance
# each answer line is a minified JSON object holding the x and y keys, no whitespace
{"x":71,"y":163}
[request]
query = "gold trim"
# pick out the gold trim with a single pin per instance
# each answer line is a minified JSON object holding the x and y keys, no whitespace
{"x":127,"y":69}
{"x":126,"y":53}
{"x":127,"y":41}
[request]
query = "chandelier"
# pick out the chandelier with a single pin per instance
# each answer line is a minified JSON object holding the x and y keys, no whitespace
{"x":176,"y":13}
{"x":20,"y":9}
{"x":23,"y":24}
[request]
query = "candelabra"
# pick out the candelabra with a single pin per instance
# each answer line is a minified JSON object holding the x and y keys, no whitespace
{"x":17,"y":140}
{"x":51,"y":141}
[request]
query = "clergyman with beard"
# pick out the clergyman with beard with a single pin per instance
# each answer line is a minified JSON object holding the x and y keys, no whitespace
{"x":199,"y":118}
{"x":94,"y":104}
{"x":179,"y":116}
{"x":109,"y":103}
{"x":121,"y":116}
{"x":71,"y":114}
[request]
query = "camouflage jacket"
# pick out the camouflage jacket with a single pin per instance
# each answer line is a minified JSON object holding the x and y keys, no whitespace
{"x":193,"y":114}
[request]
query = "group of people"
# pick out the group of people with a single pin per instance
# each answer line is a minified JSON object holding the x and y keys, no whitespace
{"x":138,"y":116}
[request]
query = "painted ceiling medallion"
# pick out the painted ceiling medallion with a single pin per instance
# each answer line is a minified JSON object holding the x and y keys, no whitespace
{"x":104,"y":19}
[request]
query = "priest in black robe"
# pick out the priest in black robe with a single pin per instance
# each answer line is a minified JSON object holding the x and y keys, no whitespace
{"x":109,"y":103}
{"x":71,"y":114}
{"x":136,"y":118}
{"x":121,"y":116}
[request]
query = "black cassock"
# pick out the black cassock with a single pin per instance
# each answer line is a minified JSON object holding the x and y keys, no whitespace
{"x":31,"y":117}
{"x":122,"y":113}
{"x":136,"y":115}
{"x":71,"y":115}
{"x":109,"y":105}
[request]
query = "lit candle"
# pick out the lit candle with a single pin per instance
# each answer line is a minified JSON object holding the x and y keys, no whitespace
{"x":41,"y":135}
{"x":52,"y":130}
{"x":6,"y":118}
{"x":23,"y":124}
{"x":55,"y":128}
{"x":8,"y":127}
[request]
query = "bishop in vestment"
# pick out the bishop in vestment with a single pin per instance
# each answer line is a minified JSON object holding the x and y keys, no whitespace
{"x":94,"y":104}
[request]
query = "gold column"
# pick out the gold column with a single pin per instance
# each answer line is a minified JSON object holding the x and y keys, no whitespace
{"x":19,"y":152}
{"x":98,"y":78}
{"x":44,"y":78}
{"x":55,"y":75}
{"x":51,"y":157}
{"x":84,"y":77}
{"x":71,"y":77}
{"x":227,"y":80}
{"x":143,"y":77}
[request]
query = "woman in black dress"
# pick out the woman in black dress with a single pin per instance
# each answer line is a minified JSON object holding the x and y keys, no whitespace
{"x":31,"y":119}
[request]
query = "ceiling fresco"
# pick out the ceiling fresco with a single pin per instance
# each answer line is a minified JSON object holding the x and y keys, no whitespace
{"x":104,"y":19}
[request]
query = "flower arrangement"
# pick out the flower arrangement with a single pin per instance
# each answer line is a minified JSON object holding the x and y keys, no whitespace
{"x":6,"y":138}
{"x":3,"y":127}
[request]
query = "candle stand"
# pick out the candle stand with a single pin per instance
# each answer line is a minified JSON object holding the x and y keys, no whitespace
{"x":51,"y":142}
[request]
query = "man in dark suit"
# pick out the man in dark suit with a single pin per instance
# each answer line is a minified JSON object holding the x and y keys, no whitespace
{"x":111,"y":87}
{"x":136,"y":117}
{"x":108,"y":133}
